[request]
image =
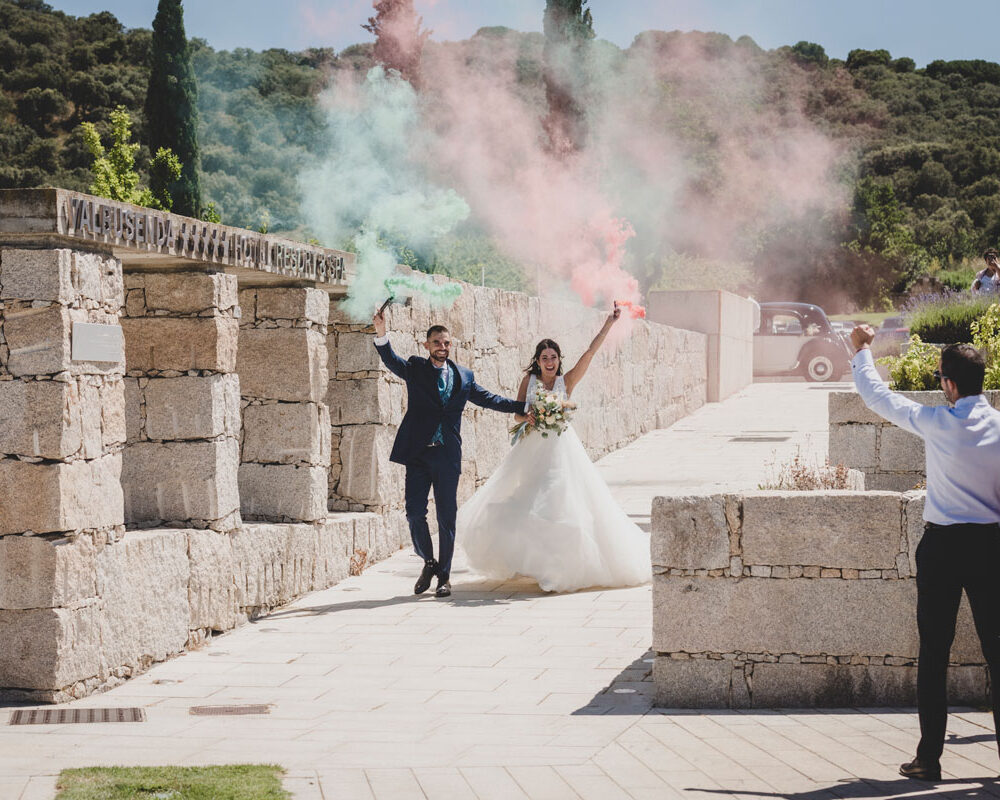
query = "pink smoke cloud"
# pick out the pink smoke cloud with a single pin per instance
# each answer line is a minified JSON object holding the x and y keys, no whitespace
{"x":692,"y":149}
{"x":546,"y":211}
{"x":324,"y":20}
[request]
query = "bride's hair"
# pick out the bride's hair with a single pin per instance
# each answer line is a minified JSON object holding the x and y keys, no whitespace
{"x":534,"y":368}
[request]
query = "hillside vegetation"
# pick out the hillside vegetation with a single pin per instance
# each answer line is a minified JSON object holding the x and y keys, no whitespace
{"x":922,"y":163}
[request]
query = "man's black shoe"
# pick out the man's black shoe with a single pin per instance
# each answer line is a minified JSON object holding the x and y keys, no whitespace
{"x":920,"y":771}
{"x":426,"y":574}
{"x":443,"y":589}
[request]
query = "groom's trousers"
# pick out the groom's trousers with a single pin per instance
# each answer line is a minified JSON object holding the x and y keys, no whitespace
{"x":951,"y":558}
{"x":433,"y":469}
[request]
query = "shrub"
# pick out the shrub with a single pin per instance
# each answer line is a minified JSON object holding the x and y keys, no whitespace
{"x":957,"y":280}
{"x":986,"y":337}
{"x":801,"y":474}
{"x":945,"y":318}
{"x":913,"y":371}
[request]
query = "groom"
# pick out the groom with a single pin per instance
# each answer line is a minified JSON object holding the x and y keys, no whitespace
{"x":429,"y":442}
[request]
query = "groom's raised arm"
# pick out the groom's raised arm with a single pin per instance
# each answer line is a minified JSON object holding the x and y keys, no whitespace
{"x":395,"y":364}
{"x":485,"y":399}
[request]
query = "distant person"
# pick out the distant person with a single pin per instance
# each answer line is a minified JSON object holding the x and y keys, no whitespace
{"x":988,"y":280}
{"x":960,"y":548}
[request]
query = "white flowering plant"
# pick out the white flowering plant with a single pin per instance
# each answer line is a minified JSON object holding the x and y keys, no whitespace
{"x":552,"y":414}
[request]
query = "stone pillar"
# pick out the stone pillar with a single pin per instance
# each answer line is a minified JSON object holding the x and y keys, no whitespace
{"x":182,"y":398}
{"x":62,"y":427}
{"x":282,"y":363}
{"x":366,"y":406}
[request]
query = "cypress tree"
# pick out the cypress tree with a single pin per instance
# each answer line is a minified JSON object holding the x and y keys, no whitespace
{"x":568,"y":27}
{"x":172,"y":106}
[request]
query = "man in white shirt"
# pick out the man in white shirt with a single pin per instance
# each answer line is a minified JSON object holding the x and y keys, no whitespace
{"x":960,"y":548}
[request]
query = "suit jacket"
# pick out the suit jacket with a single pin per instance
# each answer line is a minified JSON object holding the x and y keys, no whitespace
{"x":425,"y":411}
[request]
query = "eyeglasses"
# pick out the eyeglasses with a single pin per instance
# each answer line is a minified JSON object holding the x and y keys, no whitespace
{"x":940,"y":375}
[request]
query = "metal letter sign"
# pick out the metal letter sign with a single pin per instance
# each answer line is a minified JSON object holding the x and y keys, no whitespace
{"x":97,"y":342}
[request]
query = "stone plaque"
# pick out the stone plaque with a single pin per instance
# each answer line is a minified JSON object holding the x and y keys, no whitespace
{"x":154,"y":235}
{"x":97,"y":342}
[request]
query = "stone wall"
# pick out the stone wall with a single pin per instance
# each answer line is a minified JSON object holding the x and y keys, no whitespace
{"x":794,"y":599}
{"x":151,"y":500}
{"x":890,"y":457}
{"x":282,"y":364}
{"x":726,"y":319}
{"x":648,"y":379}
{"x":85,"y":612}
{"x":182,"y":400}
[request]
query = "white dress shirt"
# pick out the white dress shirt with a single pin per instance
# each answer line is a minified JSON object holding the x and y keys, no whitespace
{"x":962,"y":446}
{"x":381,"y":340}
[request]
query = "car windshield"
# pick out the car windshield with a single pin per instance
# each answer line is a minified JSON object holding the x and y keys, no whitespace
{"x":785,"y":323}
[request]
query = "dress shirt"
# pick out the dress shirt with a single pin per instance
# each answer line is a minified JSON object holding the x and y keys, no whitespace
{"x":445,"y":382}
{"x":382,"y":340}
{"x":962,"y":445}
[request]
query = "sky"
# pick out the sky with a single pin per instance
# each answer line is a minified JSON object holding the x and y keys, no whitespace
{"x":924,"y":30}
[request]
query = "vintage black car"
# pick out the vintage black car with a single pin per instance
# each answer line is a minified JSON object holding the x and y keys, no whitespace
{"x":797,"y":339}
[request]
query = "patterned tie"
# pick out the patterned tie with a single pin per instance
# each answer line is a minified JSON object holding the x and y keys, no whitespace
{"x":444,"y":389}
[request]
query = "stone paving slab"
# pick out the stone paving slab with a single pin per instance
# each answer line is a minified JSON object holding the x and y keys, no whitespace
{"x":505,"y":691}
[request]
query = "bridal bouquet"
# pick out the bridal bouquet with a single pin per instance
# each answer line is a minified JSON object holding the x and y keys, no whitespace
{"x":552,"y":414}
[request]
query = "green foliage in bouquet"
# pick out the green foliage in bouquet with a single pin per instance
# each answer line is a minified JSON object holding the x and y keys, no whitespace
{"x":552,"y":415}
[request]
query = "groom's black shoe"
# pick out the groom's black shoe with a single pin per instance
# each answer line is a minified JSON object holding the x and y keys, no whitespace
{"x":921,"y":771}
{"x":443,"y":588}
{"x":426,"y":574}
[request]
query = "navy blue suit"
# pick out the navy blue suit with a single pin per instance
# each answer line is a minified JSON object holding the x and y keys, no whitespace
{"x":435,"y":467}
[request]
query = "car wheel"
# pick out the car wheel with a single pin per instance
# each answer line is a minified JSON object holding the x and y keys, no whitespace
{"x":819,"y":367}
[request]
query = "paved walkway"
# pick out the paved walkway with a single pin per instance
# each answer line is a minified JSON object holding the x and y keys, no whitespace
{"x":505,"y":692}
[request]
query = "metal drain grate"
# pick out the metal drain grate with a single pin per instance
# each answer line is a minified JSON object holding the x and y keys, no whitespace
{"x":62,"y":716}
{"x":228,"y":711}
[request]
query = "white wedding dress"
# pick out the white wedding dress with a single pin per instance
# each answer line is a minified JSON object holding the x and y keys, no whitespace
{"x":547,"y":514}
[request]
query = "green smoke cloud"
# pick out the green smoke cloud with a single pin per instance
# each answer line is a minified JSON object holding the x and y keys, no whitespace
{"x":371,"y":186}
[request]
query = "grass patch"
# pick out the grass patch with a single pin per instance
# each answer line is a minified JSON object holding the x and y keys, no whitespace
{"x":873,"y":318}
{"x":231,"y":782}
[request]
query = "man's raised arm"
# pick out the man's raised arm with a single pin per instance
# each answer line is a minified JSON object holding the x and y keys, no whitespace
{"x":874,"y":393}
{"x":394,"y":363}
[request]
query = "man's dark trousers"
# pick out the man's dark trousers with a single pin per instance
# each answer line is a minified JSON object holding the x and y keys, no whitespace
{"x":951,"y":558}
{"x":433,"y":469}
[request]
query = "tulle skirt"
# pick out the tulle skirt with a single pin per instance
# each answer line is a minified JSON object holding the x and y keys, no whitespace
{"x":547,"y":514}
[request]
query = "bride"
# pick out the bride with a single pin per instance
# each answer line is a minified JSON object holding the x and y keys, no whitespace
{"x":546,"y":513}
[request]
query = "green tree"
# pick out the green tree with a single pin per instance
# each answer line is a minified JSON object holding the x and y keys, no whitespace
{"x":115,"y":176}
{"x":568,"y":27}
{"x":810,"y":53}
{"x":171,"y":107}
{"x":882,"y":237}
{"x":865,"y":58}
{"x":40,"y":106}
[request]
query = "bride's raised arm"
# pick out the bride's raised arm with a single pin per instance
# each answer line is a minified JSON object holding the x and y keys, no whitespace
{"x":575,"y":375}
